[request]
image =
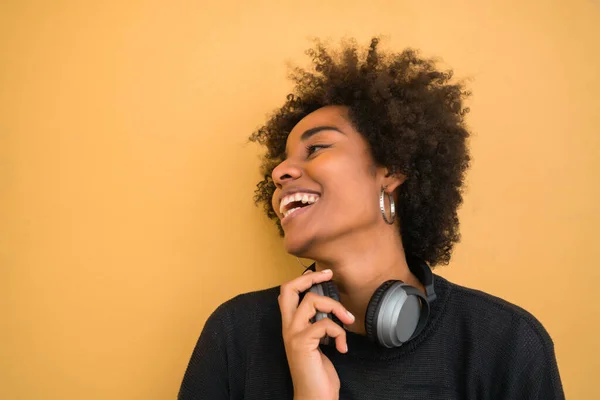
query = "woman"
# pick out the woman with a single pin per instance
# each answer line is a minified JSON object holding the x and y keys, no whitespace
{"x":363,"y":174}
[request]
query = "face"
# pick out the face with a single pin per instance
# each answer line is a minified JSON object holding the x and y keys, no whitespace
{"x":328,"y":187}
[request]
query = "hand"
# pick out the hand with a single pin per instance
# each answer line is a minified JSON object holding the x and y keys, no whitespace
{"x":313,"y":374}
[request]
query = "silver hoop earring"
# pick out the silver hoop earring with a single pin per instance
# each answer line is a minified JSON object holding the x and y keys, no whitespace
{"x":392,"y":207}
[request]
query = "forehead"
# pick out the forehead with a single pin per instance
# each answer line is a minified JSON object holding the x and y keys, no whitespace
{"x":336,"y":116}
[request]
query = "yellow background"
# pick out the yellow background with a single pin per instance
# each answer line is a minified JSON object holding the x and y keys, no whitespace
{"x":126,"y":181}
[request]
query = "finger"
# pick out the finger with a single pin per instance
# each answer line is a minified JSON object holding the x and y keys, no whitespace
{"x":312,"y":303}
{"x":316,"y":331}
{"x":289,"y":295}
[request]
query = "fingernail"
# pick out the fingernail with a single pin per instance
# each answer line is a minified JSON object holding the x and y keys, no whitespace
{"x":345,"y":347}
{"x":306,"y":272}
{"x":350,"y":315}
{"x":326,"y":271}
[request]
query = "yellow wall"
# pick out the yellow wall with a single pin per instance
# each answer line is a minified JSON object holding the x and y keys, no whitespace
{"x":126,"y":183}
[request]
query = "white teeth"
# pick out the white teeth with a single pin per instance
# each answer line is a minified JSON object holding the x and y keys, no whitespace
{"x":291,"y":211}
{"x":305,"y":198}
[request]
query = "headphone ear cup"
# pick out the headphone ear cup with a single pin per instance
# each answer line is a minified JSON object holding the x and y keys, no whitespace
{"x":373,"y":310}
{"x":395,"y":314}
{"x":326,"y":289}
{"x":330,"y":290}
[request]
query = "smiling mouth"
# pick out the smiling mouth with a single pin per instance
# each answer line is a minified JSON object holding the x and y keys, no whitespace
{"x":294,"y":203}
{"x":293,"y":210}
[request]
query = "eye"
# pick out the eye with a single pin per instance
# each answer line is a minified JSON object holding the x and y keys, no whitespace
{"x":312,"y":148}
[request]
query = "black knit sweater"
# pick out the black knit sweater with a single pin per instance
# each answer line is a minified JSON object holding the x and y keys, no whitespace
{"x":475,"y":346}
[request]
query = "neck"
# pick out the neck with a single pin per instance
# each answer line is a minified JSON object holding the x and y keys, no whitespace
{"x":360,"y":267}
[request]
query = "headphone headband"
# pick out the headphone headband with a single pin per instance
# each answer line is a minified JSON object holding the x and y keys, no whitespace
{"x":423,"y":274}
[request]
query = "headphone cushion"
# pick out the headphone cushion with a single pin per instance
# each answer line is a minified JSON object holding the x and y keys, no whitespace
{"x":330,"y":290}
{"x":373,"y":309}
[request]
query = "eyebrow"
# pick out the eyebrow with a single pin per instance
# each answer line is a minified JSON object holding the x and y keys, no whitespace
{"x":313,"y":131}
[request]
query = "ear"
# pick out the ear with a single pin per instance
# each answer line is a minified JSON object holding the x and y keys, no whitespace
{"x":391,"y":179}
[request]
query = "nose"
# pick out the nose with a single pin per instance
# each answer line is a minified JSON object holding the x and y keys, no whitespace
{"x":285,"y":172}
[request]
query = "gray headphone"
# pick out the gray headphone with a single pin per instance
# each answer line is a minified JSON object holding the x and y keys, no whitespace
{"x":397,"y":312}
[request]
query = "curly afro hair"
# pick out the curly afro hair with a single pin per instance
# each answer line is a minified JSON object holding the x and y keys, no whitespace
{"x":411,"y":115}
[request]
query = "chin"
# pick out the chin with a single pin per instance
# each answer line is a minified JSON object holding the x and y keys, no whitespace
{"x":298,"y":246}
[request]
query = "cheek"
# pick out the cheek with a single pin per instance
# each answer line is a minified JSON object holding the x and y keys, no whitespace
{"x":354,"y":191}
{"x":340,"y":166}
{"x":347,"y":180}
{"x":365,"y":205}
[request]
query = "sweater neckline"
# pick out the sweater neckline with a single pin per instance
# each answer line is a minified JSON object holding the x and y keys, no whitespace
{"x":360,"y":347}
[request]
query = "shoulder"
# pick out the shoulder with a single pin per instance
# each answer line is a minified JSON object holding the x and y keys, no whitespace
{"x":504,"y":345}
{"x":492,"y":321}
{"x":245,"y":312}
{"x":257,"y":297}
